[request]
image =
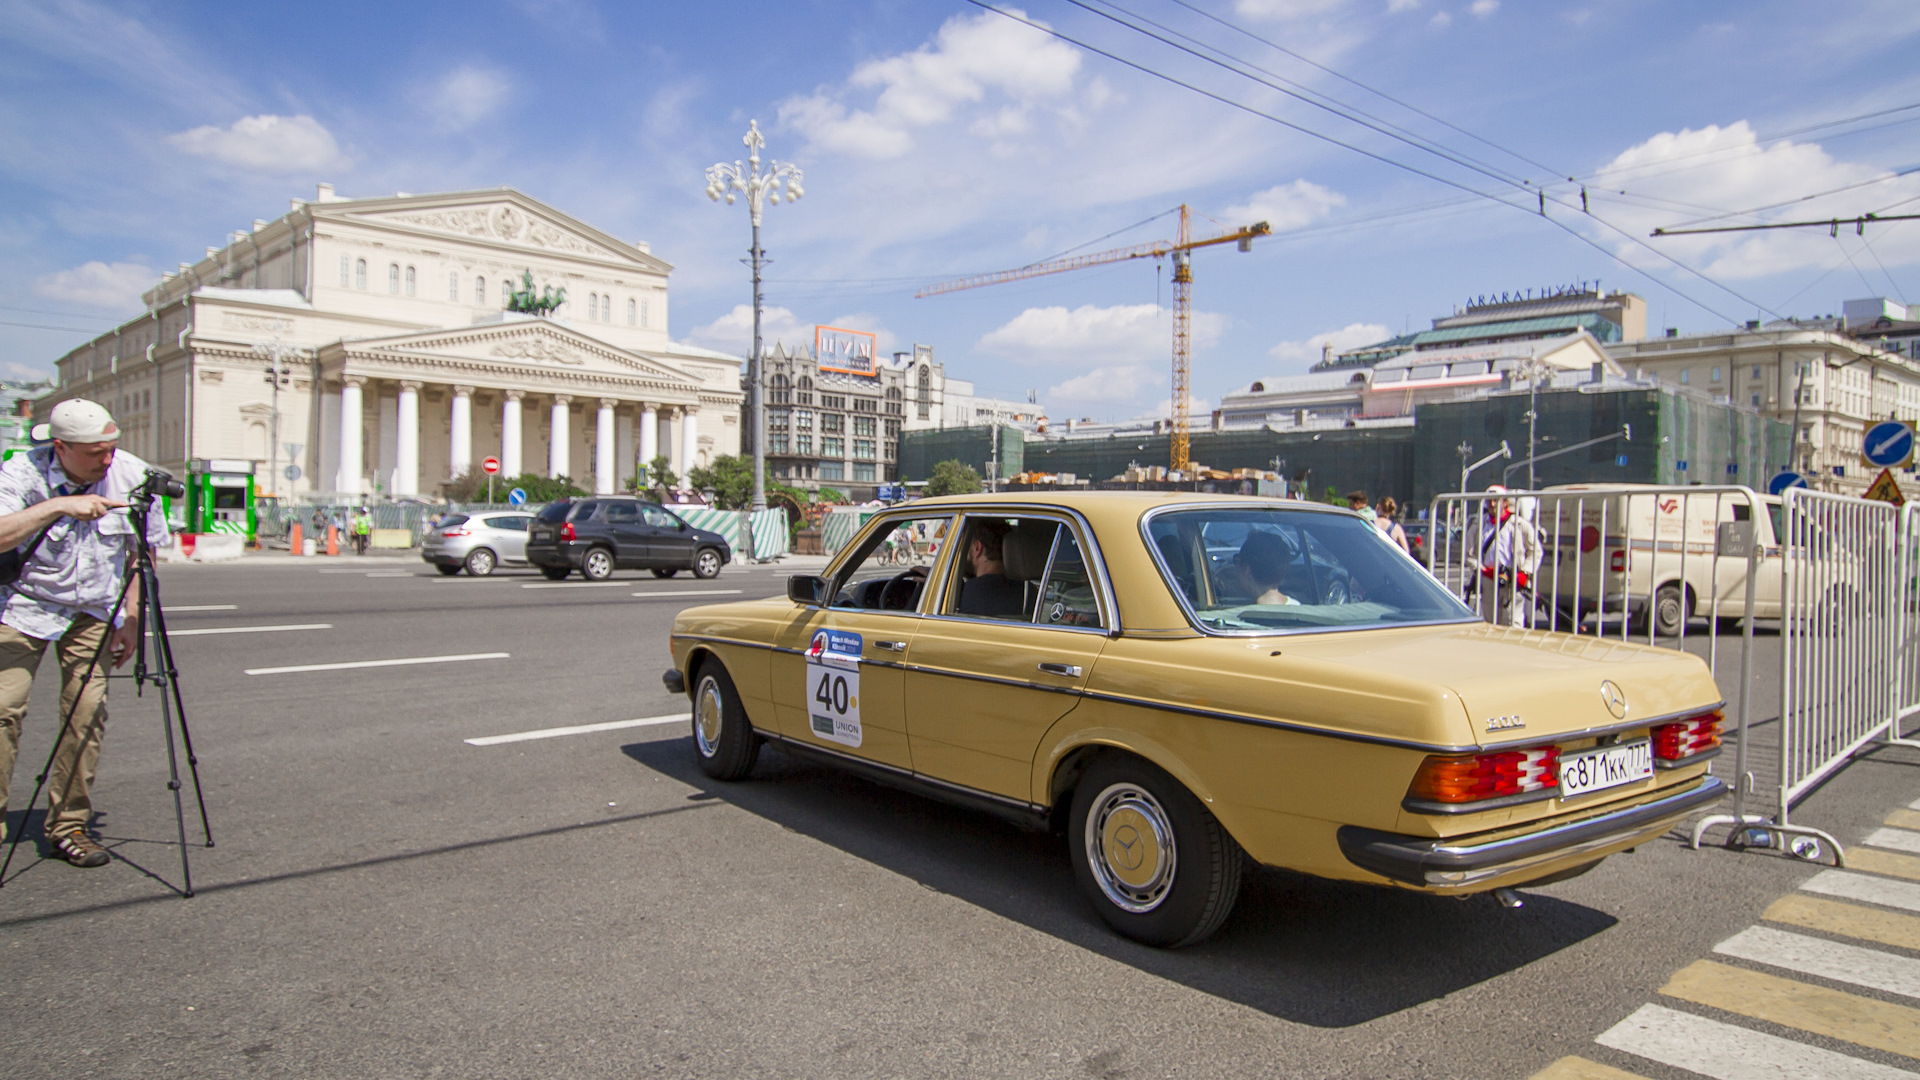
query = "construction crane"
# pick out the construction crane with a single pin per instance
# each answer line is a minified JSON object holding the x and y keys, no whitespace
{"x":1181,"y":249}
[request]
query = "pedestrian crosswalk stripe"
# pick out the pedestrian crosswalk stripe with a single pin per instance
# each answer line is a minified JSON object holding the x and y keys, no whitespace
{"x":1579,"y":1068}
{"x":1727,"y":1052}
{"x":1904,"y":819}
{"x":1874,"y":861}
{"x":1870,"y":968}
{"x":1874,"y":890}
{"x":1846,"y":920}
{"x":1881,"y":1025}
{"x":1897,"y":839}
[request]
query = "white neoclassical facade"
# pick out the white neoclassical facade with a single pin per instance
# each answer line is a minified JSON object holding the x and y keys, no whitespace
{"x":403,"y":370}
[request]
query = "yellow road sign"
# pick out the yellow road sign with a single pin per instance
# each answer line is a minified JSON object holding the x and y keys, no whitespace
{"x":1885,"y":490}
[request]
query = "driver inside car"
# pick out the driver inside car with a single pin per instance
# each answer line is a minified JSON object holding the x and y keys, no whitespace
{"x":987,"y":590}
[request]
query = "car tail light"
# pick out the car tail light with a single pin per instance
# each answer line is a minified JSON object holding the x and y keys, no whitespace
{"x":453,"y":532}
{"x":1617,"y":562}
{"x":1694,"y":735}
{"x":566,"y":531}
{"x":1472,"y":777}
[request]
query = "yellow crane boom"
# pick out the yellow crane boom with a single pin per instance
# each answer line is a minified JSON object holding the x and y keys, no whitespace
{"x":1181,"y":249}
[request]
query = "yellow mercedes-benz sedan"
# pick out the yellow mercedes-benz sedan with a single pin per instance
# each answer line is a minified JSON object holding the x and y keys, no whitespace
{"x":1184,"y":682}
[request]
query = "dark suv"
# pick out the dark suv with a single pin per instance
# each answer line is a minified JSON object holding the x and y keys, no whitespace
{"x":603,"y":533}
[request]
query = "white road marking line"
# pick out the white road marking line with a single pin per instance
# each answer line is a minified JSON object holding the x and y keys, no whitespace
{"x":579,"y":585}
{"x":340,"y":570}
{"x":694,"y":592}
{"x":403,"y":662}
{"x":1897,"y":839}
{"x":578,"y":729}
{"x":1727,"y":1052}
{"x":246,"y":629}
{"x":1826,"y":959}
{"x":392,"y":573}
{"x":203,"y":607}
{"x":1874,"y":890}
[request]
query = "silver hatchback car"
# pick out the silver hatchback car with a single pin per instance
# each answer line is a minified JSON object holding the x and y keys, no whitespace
{"x":477,"y":542}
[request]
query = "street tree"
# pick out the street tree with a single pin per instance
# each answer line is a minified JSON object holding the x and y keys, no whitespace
{"x":953,"y":478}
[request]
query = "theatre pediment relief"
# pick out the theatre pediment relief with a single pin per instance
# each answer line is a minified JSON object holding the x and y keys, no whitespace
{"x":504,"y":222}
{"x":535,"y":344}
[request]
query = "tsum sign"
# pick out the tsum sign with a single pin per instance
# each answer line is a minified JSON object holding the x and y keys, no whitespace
{"x":850,"y":352}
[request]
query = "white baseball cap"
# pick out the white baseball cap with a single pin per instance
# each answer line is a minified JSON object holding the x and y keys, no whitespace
{"x":78,"y":421}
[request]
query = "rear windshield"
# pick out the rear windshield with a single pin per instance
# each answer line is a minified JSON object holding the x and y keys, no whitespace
{"x":451,"y":520}
{"x":554,"y":512}
{"x":1263,"y":571}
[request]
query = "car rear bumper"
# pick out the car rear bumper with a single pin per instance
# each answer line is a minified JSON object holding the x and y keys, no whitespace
{"x":1464,"y":863}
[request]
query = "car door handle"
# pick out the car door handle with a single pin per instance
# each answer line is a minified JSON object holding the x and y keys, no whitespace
{"x":1071,"y":671}
{"x":891,"y":646}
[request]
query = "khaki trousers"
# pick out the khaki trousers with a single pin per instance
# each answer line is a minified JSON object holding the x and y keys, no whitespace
{"x":70,"y":785}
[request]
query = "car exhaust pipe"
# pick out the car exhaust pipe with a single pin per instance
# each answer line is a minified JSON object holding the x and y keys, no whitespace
{"x":1508,"y":898}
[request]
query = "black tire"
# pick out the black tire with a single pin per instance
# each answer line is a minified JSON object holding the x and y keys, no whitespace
{"x":1669,"y":609}
{"x":1183,"y":881}
{"x":555,"y":573}
{"x":446,"y":570}
{"x":706,"y":563}
{"x":723,"y":740}
{"x":481,"y":561}
{"x":669,"y":572}
{"x":597,"y":565}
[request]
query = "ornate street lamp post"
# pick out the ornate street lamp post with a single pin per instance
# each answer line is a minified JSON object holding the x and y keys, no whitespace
{"x":276,"y":353}
{"x":725,"y":181}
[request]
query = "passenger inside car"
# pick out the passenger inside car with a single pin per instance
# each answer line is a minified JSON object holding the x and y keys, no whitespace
{"x":1262,"y":566}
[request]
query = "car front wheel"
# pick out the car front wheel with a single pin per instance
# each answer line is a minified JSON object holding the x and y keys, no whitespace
{"x":706,"y":564}
{"x":598,"y":565}
{"x":480,"y":562}
{"x":722,"y":737}
{"x":1153,"y":862}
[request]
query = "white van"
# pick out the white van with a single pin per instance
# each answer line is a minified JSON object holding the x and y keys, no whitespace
{"x":1611,"y":547}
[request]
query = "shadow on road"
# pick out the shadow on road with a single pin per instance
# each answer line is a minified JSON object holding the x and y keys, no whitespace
{"x":1324,"y":953}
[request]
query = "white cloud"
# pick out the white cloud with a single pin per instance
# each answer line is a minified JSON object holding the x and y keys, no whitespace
{"x":1727,"y":167}
{"x":266,"y":142}
{"x":1394,"y":6}
{"x":1104,"y":386}
{"x":1286,"y":9}
{"x":733,"y":332}
{"x":113,"y":286}
{"x":1441,"y":19}
{"x":1299,"y":355}
{"x":970,"y":58}
{"x":1287,"y":206}
{"x":1114,"y":338}
{"x":1484,"y":8}
{"x":467,"y":95}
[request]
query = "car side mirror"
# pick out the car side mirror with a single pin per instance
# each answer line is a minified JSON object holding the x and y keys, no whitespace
{"x":808,"y":589}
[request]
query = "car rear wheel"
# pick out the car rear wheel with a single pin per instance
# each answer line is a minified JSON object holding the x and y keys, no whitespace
{"x":598,"y":565}
{"x":668,"y":572}
{"x":1153,"y":862}
{"x":554,"y":573}
{"x":706,"y":564}
{"x":449,"y":571}
{"x":480,"y":562}
{"x":722,"y":737}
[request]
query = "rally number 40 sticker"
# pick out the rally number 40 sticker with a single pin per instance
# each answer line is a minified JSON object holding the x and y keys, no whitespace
{"x":833,"y":686}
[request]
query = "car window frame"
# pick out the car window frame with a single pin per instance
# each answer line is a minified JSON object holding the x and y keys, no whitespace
{"x":878,"y":528}
{"x":611,"y":504}
{"x":1193,"y":619}
{"x":1089,"y":551}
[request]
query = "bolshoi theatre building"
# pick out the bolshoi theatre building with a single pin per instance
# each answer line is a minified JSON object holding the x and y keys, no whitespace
{"x":401,"y":366}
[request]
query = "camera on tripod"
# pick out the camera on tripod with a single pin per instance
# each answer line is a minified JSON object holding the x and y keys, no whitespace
{"x":158,"y":483}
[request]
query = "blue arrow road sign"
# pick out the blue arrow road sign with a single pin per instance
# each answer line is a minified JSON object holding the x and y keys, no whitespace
{"x":1888,"y":444}
{"x":517,"y":497}
{"x":1783,"y":480}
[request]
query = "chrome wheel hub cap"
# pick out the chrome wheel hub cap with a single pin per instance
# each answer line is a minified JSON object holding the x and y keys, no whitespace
{"x":1129,"y":844}
{"x":706,"y":718}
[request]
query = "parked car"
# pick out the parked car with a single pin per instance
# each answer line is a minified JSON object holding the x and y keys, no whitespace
{"x":599,"y":534}
{"x":1175,"y":713}
{"x":477,"y":543}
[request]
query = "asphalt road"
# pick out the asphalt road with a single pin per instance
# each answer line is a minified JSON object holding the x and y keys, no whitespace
{"x":386,"y":900}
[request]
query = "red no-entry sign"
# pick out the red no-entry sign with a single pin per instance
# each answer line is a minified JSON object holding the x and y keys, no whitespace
{"x":490,"y":465}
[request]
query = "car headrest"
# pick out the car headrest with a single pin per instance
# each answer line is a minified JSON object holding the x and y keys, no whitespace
{"x":1024,"y":553}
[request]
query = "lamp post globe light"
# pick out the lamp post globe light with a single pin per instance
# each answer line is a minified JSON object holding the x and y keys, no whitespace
{"x":276,"y":353}
{"x":725,"y":181}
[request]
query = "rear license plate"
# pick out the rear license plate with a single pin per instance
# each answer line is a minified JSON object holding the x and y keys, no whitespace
{"x":1608,"y":766}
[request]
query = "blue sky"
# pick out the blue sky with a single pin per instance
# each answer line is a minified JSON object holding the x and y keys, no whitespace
{"x":940,"y":139}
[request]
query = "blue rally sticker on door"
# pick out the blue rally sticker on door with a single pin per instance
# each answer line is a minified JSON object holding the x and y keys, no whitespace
{"x":833,"y":686}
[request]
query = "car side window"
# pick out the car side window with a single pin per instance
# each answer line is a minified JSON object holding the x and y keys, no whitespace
{"x":999,"y":566}
{"x":584,"y":510}
{"x":659,"y":518}
{"x":889,"y":571}
{"x":509,"y":524}
{"x":1068,"y":596}
{"x":622,"y":514}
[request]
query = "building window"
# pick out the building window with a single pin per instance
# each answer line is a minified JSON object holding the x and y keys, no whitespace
{"x":777,"y":419}
{"x":409,"y":281}
{"x":865,"y":405}
{"x":1716,"y":373}
{"x":924,"y":401}
{"x":803,"y":444}
{"x":593,"y":307}
{"x":1756,"y":371}
{"x":453,"y":286}
{"x":1756,"y":401}
{"x":645,"y":316}
{"x":832,"y":446}
{"x":631,"y":308}
{"x":832,"y":470}
{"x":480,"y":289}
{"x":1686,"y":376}
{"x":803,"y":391}
{"x":863,"y":425}
{"x":344,"y":270}
{"x":863,"y":472}
{"x":779,"y":443}
{"x":893,"y":429}
{"x":803,"y":419}
{"x":781,"y":392}
{"x":833,"y":401}
{"x":832,"y":422}
{"x":360,"y":273}
{"x":893,"y":450}
{"x":863,"y":448}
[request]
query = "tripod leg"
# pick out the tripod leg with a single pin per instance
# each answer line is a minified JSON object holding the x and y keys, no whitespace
{"x":163,"y":656}
{"x":173,"y":785}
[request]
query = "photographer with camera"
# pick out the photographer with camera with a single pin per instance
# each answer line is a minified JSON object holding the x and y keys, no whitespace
{"x":65,"y":531}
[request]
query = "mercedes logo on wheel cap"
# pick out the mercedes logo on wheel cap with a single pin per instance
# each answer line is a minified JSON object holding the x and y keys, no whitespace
{"x":1615,"y":698}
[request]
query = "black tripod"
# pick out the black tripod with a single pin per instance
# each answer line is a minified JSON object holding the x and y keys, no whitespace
{"x":163,"y":675}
